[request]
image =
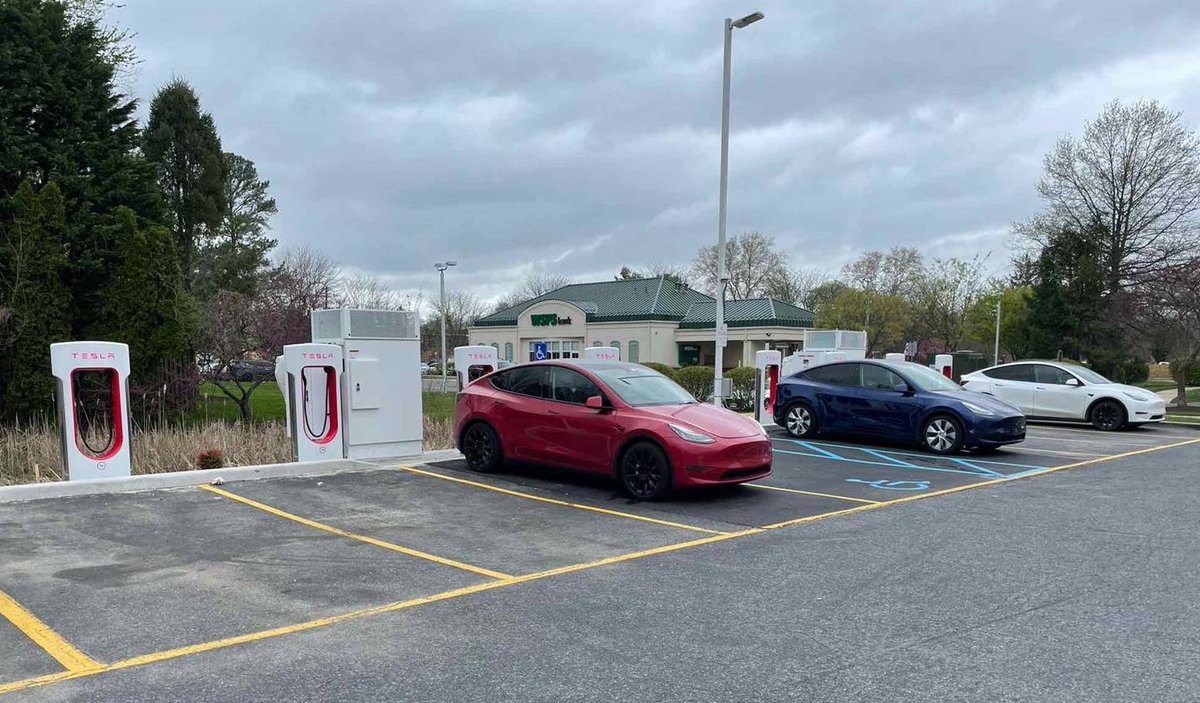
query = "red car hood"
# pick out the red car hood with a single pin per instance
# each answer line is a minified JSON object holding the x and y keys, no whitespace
{"x":709,"y":419}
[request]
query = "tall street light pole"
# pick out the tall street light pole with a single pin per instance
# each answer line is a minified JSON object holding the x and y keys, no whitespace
{"x":441,"y":268}
{"x":996,"y":357}
{"x":722,"y":276}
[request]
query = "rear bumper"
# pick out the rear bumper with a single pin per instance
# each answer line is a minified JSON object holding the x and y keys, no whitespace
{"x":727,"y":461}
{"x":997,"y":432}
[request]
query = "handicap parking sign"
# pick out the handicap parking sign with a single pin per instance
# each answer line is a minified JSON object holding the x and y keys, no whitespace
{"x":539,"y":351}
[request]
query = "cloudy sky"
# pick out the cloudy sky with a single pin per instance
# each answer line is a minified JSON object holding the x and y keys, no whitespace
{"x":578,"y":137}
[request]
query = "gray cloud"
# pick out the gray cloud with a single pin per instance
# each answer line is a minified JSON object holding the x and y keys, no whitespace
{"x":581,"y":137}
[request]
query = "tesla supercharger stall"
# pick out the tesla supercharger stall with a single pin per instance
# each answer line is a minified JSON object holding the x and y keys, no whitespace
{"x":944,"y":364}
{"x":824,"y":347}
{"x":93,"y":408}
{"x":313,"y":378}
{"x":893,"y":356}
{"x":472,"y":362}
{"x":601,"y":354}
{"x":768,"y":364}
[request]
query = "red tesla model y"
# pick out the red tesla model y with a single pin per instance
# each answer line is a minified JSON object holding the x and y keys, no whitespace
{"x":625,"y":420}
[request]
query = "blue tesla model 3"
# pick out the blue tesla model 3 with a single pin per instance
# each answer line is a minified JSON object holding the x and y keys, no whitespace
{"x":895,"y":402}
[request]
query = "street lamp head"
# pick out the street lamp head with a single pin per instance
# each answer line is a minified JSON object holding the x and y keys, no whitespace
{"x":452,"y":263}
{"x":440,"y":267}
{"x":747,"y":20}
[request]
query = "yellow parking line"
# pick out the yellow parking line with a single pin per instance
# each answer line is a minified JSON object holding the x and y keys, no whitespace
{"x":555,"y":501}
{"x":813,"y":493}
{"x":63,"y":651}
{"x":366,"y":612}
{"x":361,"y":538}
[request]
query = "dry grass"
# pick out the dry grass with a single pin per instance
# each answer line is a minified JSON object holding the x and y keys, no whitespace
{"x":31,"y":453}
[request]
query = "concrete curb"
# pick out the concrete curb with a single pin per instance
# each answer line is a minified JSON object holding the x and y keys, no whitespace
{"x":1194,"y":426}
{"x":181,"y":479}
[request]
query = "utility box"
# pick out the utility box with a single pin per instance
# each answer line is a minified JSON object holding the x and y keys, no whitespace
{"x":381,"y":389}
{"x":826,"y":347}
{"x":966,"y":362}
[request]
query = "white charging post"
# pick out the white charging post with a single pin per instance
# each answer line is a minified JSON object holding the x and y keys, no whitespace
{"x":944,"y":364}
{"x":472,"y":362}
{"x":768,"y":364}
{"x":893,"y":356}
{"x":313,"y":374}
{"x":72,"y":363}
{"x":601,"y":354}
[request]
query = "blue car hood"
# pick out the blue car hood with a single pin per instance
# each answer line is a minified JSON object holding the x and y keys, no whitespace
{"x":983,"y":400}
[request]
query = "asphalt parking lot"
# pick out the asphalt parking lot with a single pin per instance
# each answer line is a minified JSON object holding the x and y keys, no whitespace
{"x":830,"y":580}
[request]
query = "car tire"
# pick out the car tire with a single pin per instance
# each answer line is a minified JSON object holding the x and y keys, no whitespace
{"x":481,"y":447}
{"x":942,"y":434}
{"x":1108,"y":415}
{"x":645,"y":471}
{"x":800,"y":421}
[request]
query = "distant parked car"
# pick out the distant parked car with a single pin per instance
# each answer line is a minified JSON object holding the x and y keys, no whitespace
{"x":251,"y":370}
{"x":1052,"y":390}
{"x":895,"y":401}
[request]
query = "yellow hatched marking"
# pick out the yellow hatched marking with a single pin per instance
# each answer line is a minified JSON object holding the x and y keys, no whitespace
{"x":813,"y":493}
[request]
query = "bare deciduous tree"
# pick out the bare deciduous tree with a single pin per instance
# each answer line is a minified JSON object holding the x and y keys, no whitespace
{"x":795,"y":285}
{"x":751,"y":261}
{"x":945,"y":294}
{"x":365,"y":291}
{"x":537,"y":284}
{"x":1176,"y":310}
{"x":1136,"y":171}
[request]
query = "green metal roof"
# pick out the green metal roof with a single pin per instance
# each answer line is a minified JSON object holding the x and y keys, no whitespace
{"x":613,"y":301}
{"x":751,"y":312}
{"x":659,"y":299}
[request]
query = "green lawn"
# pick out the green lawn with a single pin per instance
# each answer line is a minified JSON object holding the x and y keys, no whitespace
{"x":1157,"y":385}
{"x":266,"y":403}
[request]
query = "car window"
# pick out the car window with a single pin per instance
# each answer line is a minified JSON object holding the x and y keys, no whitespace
{"x":501,"y":380}
{"x":570,"y":386}
{"x":1016,"y":372}
{"x":841,"y":374}
{"x":1051,"y":374}
{"x":641,"y":386}
{"x":530,"y":380}
{"x":877,"y":377}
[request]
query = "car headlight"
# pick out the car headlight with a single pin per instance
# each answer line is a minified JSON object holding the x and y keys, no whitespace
{"x":1144,"y":397}
{"x":978,"y":409}
{"x":691,"y":435}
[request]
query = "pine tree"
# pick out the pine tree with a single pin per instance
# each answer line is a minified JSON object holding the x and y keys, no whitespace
{"x":236,"y":256}
{"x":181,"y":142}
{"x":143,"y":306}
{"x":36,"y":298}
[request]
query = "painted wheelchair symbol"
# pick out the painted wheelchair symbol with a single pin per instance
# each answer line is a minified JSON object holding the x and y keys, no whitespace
{"x":893,"y":485}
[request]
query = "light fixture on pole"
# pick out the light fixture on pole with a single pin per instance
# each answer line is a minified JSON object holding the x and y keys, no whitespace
{"x":441,"y":268}
{"x":996,"y":355}
{"x":722,"y":331}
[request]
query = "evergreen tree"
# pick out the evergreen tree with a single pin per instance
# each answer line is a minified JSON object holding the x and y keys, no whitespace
{"x":62,"y":119}
{"x":236,"y":257}
{"x":1067,"y":312}
{"x":181,"y":142}
{"x":143,"y":306}
{"x":35,"y":297}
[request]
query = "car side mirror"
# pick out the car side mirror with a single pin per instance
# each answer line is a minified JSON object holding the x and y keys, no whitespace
{"x":595,"y":402}
{"x":1074,"y":382}
{"x":903,"y":389}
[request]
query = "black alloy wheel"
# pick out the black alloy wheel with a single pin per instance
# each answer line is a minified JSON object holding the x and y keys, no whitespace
{"x":645,"y":472}
{"x":481,"y":447}
{"x":1108,"y":416}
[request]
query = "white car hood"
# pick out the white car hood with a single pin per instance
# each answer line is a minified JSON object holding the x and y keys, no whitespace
{"x":1122,"y":388}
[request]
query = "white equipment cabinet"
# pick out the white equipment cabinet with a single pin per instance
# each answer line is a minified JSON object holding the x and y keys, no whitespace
{"x":825,"y":347}
{"x":381,"y":386}
{"x":601,"y":354}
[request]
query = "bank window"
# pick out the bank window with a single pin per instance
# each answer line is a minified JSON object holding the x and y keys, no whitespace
{"x":615,"y":345}
{"x":634,"y":353}
{"x":508,"y":351}
{"x":597,"y":344}
{"x":496,"y":346}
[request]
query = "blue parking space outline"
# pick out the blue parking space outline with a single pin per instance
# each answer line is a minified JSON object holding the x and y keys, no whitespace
{"x":972,"y":467}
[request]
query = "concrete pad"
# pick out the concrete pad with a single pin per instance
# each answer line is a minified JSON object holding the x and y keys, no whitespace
{"x":122,"y":575}
{"x":501,"y":532}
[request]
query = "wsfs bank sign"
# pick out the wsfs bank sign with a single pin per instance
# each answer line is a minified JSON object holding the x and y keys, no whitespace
{"x":548,"y":320}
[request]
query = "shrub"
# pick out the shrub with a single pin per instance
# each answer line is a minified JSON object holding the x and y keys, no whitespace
{"x":1193,"y":374}
{"x":210,"y":459}
{"x":742,"y":398}
{"x":697,"y":380}
{"x":661,"y":368}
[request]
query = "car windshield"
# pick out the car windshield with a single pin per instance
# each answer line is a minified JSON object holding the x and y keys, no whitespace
{"x":1086,"y":374}
{"x":927,"y":379}
{"x":639,"y":387}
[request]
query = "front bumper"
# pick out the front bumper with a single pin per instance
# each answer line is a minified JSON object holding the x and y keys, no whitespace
{"x":997,"y":431}
{"x":1143,"y":411}
{"x":727,"y":461}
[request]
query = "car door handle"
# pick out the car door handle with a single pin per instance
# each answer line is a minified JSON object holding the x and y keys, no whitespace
{"x":1039,"y":388}
{"x":998,"y":385}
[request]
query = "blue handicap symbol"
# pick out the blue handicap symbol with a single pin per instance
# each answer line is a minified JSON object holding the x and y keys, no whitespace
{"x":893,"y":485}
{"x":539,"y":351}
